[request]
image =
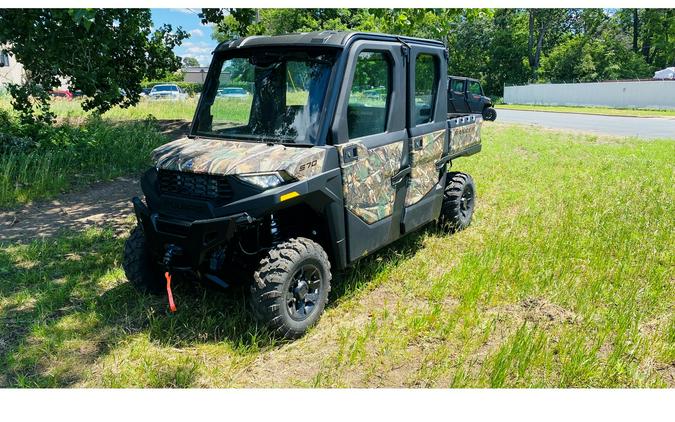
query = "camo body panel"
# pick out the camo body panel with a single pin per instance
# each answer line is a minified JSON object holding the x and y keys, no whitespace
{"x":424,"y":174}
{"x":366,"y":182}
{"x":233,"y":157}
{"x":465,"y":136}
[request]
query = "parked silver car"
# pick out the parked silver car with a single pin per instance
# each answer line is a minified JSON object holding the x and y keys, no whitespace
{"x":167,"y":92}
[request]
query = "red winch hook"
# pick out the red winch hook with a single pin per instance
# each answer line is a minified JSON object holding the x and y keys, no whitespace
{"x":172,"y":305}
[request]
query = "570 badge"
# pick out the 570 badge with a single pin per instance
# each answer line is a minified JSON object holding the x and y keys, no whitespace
{"x":307,"y":166}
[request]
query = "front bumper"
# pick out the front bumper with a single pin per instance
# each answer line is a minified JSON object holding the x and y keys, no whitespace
{"x":195,"y":239}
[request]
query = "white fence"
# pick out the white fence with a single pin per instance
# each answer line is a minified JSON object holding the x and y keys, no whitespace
{"x":634,"y":94}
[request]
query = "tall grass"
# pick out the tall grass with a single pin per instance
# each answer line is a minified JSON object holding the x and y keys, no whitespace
{"x":72,"y":155}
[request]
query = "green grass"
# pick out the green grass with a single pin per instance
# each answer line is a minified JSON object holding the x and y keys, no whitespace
{"x":163,"y":110}
{"x":76,"y":155}
{"x":592,"y":110}
{"x":224,"y":109}
{"x":564,"y":279}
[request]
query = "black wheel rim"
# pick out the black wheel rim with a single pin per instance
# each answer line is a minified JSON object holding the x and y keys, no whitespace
{"x":303,"y":292}
{"x":466,"y":202}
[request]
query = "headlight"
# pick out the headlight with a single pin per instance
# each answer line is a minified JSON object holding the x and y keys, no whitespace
{"x":263,"y":180}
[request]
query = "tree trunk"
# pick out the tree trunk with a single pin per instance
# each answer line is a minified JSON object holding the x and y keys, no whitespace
{"x":530,"y":40}
{"x":647,"y":46}
{"x":540,"y":43}
{"x":636,"y":29}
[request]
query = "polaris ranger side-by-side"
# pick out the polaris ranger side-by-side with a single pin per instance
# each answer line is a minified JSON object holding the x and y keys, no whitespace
{"x":340,"y":145}
{"x":465,"y":96}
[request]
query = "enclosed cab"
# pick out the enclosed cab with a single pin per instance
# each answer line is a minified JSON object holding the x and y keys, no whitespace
{"x":466,"y":96}
{"x":340,"y":146}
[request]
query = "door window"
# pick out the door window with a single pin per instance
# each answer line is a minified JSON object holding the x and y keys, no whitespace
{"x":474,"y":88}
{"x":426,"y":78}
{"x":458,"y":86}
{"x":369,"y":97}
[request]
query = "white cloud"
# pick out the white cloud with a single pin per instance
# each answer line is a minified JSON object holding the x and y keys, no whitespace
{"x":197,"y":33}
{"x":186,"y":11}
{"x":198,"y":50}
{"x":196,"y":44}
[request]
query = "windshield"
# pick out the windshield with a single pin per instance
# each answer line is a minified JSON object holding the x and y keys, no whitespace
{"x":165,"y":88}
{"x":280,"y":95}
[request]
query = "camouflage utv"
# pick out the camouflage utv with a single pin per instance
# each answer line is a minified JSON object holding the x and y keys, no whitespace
{"x":339,"y":145}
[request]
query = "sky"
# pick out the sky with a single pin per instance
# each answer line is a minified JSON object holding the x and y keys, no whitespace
{"x":200,"y":44}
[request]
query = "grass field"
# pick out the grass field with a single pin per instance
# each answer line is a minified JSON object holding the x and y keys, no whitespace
{"x":591,"y":110}
{"x":75,"y":156}
{"x":224,"y":109}
{"x":71,"y":110}
{"x":565,"y":279}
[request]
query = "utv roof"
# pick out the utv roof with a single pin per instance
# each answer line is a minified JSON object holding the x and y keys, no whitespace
{"x":462,"y":78}
{"x":337,"y":39}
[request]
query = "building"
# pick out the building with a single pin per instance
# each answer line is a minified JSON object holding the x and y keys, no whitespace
{"x":194,"y":74}
{"x":11,"y":71}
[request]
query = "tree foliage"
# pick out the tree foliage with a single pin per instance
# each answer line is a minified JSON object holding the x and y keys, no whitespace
{"x":499,"y":46}
{"x":190,"y":62}
{"x":104,"y":53}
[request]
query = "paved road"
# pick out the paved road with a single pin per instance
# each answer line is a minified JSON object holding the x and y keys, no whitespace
{"x":642,"y":127}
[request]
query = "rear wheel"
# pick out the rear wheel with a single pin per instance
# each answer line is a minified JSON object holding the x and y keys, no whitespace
{"x":490,"y":114}
{"x":141,"y":270}
{"x":290,"y":288}
{"x":459,"y":200}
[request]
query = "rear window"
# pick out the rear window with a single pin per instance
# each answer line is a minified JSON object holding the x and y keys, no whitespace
{"x":457,"y":85}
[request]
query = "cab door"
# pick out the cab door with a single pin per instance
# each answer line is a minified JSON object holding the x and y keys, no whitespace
{"x":427,"y":129}
{"x":456,"y":90}
{"x":370,"y":135}
{"x":474,"y":95}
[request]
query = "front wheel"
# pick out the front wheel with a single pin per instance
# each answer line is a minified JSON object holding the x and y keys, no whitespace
{"x":290,"y":288}
{"x":139,"y":267}
{"x":459,"y":200}
{"x":490,"y":114}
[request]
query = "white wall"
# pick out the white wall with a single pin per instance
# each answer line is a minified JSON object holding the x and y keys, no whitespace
{"x":637,"y":94}
{"x":12,"y":73}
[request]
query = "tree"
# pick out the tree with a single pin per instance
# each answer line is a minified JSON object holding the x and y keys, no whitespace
{"x":547,"y":27}
{"x":190,"y":62}
{"x":498,"y":46}
{"x":105,"y":53}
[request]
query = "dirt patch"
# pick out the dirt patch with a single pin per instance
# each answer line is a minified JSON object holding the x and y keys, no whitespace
{"x":101,"y":204}
{"x":667,"y":372}
{"x":538,"y":311}
{"x":106,"y":203}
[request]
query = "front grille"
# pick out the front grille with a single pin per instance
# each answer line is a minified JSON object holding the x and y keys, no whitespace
{"x":194,"y":185}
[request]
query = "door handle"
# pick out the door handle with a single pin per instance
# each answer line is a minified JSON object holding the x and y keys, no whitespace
{"x":442,"y":162}
{"x":399,"y":177}
{"x":350,"y":154}
{"x":418,"y":143}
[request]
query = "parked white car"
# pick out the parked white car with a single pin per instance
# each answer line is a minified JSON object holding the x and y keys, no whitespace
{"x":167,"y":92}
